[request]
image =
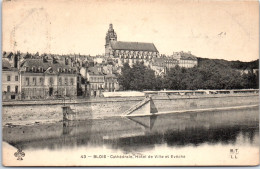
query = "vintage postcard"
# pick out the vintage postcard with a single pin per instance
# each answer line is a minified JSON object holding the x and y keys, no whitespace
{"x":130,"y":83}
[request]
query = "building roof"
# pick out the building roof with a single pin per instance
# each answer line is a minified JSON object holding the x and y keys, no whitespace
{"x":164,"y":60}
{"x":39,"y":63}
{"x":5,"y":64}
{"x":94,"y":71}
{"x":186,"y":56}
{"x":7,"y":54}
{"x":110,"y":75}
{"x":135,"y":46}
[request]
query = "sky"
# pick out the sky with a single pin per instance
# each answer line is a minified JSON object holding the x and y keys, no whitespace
{"x":210,"y":29}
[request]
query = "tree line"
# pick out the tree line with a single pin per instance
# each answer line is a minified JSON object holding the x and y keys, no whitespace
{"x":207,"y":75}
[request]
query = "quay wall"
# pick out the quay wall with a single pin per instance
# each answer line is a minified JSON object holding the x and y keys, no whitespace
{"x":30,"y":114}
{"x":99,"y":130}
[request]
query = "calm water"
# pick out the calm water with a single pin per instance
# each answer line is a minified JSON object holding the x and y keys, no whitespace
{"x":232,"y":127}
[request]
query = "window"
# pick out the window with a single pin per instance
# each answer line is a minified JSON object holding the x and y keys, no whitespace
{"x":66,"y":81}
{"x":41,"y":81}
{"x":40,"y":69}
{"x":8,"y":78}
{"x":34,"y":69}
{"x":16,"y":89}
{"x":51,"y":81}
{"x":16,"y":78}
{"x":8,"y":88}
{"x":60,"y":81}
{"x":27,"y":81}
{"x":72,"y":81}
{"x":34,"y":81}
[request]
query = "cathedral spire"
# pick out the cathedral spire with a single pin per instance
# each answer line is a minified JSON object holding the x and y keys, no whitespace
{"x":111,"y":26}
{"x":111,"y":34}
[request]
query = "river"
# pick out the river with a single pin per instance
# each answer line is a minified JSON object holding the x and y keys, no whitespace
{"x":229,"y":137}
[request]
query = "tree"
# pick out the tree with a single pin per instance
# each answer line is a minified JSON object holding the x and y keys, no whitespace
{"x":210,"y":74}
{"x":126,"y":76}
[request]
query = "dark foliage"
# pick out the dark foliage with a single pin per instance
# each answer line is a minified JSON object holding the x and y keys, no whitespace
{"x":210,"y":74}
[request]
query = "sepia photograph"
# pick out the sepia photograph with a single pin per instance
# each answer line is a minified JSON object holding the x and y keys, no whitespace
{"x":130,"y":83}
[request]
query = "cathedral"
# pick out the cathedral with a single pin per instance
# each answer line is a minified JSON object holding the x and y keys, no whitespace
{"x":128,"y":52}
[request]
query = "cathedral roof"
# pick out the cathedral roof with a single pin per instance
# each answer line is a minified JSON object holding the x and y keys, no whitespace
{"x":135,"y":46}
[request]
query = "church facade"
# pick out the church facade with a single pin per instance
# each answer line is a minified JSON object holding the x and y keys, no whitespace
{"x":128,"y":52}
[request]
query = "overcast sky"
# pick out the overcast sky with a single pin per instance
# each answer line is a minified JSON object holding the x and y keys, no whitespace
{"x":222,"y":30}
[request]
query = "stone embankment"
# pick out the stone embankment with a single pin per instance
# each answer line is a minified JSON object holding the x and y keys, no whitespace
{"x":30,"y":112}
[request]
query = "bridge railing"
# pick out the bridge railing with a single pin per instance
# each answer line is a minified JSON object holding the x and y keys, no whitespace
{"x":200,"y":92}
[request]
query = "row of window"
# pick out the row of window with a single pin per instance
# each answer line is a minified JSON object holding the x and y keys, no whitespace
{"x":128,"y":56}
{"x":50,"y":81}
{"x":187,"y":65}
{"x":109,"y":85}
{"x":40,"y":69}
{"x":47,"y":91}
{"x":9,"y":78}
{"x":96,"y":79}
{"x":98,"y":86}
{"x":9,"y":89}
{"x":188,"y":61}
{"x":66,"y":81}
{"x":132,"y":60}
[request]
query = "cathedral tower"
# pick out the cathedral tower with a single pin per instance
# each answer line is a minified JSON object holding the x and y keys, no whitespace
{"x":110,"y":36}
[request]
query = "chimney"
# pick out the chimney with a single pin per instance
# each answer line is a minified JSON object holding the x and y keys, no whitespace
{"x":14,"y":61}
{"x":66,"y":61}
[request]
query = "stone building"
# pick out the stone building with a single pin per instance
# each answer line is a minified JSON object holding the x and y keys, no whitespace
{"x":10,"y":80}
{"x":100,"y":79}
{"x":161,"y":65}
{"x":185,"y":59}
{"x":164,"y":63}
{"x":40,"y":78}
{"x":111,"y":83}
{"x":96,"y":80}
{"x":128,"y":52}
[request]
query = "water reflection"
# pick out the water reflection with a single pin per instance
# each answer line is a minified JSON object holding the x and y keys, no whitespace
{"x":128,"y":134}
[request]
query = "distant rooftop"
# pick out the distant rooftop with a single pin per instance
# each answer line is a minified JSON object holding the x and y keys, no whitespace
{"x":94,"y":71}
{"x":185,"y":55}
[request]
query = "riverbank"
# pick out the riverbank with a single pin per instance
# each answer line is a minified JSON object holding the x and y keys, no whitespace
{"x":29,"y":113}
{"x":115,"y":99}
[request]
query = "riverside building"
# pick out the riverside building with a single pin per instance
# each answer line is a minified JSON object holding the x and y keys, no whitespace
{"x":41,"y":78}
{"x":10,"y":77}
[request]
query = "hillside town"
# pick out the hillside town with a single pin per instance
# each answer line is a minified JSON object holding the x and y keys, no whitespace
{"x":27,"y":76}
